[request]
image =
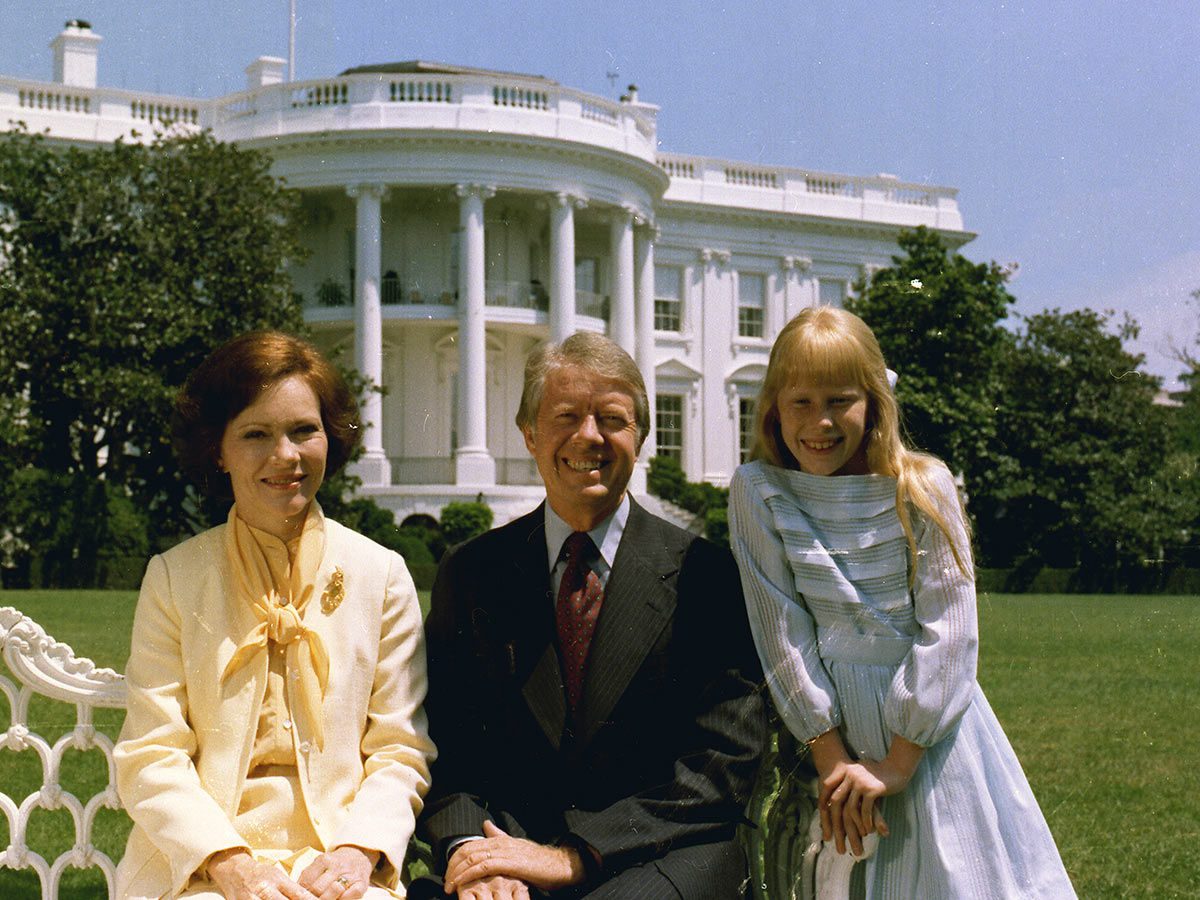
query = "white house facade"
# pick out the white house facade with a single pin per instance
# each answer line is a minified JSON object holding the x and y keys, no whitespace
{"x":457,"y":217}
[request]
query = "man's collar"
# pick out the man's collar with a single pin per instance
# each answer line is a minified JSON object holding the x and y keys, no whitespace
{"x":606,"y":535}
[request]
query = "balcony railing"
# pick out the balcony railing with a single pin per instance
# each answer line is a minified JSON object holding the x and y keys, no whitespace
{"x":440,"y":470}
{"x":502,"y":294}
{"x":881,"y":198}
{"x":591,"y":304}
{"x":507,"y":103}
{"x":517,"y":295}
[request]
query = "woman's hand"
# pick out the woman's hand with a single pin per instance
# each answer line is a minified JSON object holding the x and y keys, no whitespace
{"x":344,"y":873}
{"x":239,"y":876}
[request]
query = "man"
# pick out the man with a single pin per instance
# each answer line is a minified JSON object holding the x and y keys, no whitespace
{"x":597,"y":711}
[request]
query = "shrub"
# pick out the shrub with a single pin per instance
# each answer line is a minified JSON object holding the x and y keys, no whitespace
{"x":462,"y":521}
{"x":665,"y":478}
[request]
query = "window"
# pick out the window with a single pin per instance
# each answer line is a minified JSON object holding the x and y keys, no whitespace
{"x":752,"y":292}
{"x":588,"y":300}
{"x":833,"y":292}
{"x":745,"y":428}
{"x":391,"y":288}
{"x":668,"y":425}
{"x":585,"y":275}
{"x":668,"y":298}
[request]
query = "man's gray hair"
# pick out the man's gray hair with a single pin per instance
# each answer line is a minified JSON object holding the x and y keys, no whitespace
{"x":590,"y":351}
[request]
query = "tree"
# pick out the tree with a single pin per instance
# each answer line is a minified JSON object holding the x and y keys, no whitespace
{"x":120,"y":268}
{"x":1095,"y":479}
{"x":938,"y":319}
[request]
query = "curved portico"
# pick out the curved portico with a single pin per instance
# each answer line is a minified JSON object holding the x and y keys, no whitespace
{"x":500,"y":207}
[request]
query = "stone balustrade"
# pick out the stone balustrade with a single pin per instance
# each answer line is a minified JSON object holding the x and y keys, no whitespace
{"x":879,"y":198}
{"x":482,"y":102}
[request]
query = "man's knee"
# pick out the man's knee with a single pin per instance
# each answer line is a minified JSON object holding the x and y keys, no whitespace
{"x":701,"y":872}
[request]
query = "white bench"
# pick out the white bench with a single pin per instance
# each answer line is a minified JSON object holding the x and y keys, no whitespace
{"x":787,"y":858}
{"x":44,"y":666}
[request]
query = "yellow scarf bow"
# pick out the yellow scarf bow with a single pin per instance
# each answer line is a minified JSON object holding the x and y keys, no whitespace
{"x":281,"y":615}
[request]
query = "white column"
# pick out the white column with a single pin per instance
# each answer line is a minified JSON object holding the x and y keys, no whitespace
{"x":714,"y":460}
{"x":562,"y":265}
{"x":372,"y":467}
{"x":472,"y":463}
{"x":794,"y":285}
{"x":621,"y":323}
{"x":643,"y":275}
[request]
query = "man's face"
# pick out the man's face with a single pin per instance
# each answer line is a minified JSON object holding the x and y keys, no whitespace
{"x":585,"y":444}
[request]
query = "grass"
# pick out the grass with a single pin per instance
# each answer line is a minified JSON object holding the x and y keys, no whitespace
{"x":1098,"y":695}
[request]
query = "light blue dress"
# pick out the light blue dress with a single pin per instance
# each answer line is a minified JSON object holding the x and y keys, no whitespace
{"x":845,"y":644}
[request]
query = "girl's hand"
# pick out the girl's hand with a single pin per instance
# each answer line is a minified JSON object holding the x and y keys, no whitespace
{"x":850,"y":789}
{"x":239,"y":876}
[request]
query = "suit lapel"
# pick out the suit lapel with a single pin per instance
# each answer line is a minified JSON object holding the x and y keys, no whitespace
{"x":534,"y":628}
{"x":639,"y":600}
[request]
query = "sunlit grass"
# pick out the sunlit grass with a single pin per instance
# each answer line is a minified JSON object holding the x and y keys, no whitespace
{"x":1097,"y":694}
{"x":1099,"y":697}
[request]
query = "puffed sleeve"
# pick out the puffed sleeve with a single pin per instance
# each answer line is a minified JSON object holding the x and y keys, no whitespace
{"x":156,"y":777}
{"x":782,"y":627}
{"x":395,"y":743}
{"x":933,"y":686}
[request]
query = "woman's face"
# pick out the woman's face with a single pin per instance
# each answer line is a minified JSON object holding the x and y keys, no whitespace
{"x":274,"y":451}
{"x":823,"y":425}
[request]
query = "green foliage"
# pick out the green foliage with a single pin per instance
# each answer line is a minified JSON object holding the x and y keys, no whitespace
{"x":79,"y":524}
{"x":665,"y":479}
{"x":938,"y":319}
{"x":462,"y":521}
{"x":1093,"y":477}
{"x":120,"y":268}
{"x":1067,"y":462}
{"x":431,"y":537}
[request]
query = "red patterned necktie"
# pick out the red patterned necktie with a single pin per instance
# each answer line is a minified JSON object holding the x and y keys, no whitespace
{"x":579,"y":598}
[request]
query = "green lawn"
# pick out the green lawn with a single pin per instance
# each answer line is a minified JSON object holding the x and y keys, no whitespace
{"x":1098,"y":695}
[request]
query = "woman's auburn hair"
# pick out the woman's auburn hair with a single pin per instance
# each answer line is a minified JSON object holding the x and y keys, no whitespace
{"x":236,"y":374}
{"x":828,"y":345}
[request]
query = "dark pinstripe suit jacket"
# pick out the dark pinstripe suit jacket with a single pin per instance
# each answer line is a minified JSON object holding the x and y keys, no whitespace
{"x":668,"y":739}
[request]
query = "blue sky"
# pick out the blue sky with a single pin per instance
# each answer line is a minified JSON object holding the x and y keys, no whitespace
{"x":1070,"y":128}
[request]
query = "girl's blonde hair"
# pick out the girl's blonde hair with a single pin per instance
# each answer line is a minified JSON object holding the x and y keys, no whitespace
{"x":828,"y":345}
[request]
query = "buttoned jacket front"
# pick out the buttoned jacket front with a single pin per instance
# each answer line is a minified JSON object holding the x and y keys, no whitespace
{"x":666,"y":743}
{"x":185,"y":747}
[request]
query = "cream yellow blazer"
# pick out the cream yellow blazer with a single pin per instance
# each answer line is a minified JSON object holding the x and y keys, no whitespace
{"x":184,"y":750}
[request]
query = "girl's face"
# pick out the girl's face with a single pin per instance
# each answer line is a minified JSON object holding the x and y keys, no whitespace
{"x":823,"y":425}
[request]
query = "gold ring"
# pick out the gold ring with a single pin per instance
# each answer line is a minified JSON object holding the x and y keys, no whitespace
{"x":343,"y":881}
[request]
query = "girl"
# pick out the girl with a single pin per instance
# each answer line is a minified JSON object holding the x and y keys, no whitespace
{"x":861,"y":599}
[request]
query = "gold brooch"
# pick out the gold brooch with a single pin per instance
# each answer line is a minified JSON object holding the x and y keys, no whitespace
{"x":335,"y":593}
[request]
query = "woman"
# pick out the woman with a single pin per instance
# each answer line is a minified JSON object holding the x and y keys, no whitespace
{"x":275,"y":745}
{"x":856,"y":566}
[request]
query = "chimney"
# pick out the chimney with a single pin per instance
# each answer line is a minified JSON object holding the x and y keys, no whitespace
{"x":75,"y":53}
{"x":264,"y":71}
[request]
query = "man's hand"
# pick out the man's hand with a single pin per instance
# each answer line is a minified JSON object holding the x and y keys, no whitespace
{"x":496,"y":853}
{"x":498,"y":887}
